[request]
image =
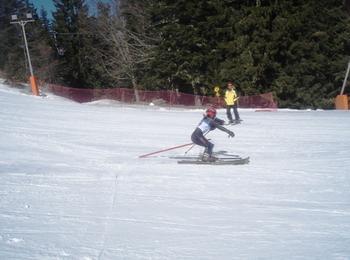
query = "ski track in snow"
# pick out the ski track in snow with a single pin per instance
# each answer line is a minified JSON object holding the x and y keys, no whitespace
{"x":72,"y":185}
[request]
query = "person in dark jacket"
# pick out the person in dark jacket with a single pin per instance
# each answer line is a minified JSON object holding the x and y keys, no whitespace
{"x":208,"y":123}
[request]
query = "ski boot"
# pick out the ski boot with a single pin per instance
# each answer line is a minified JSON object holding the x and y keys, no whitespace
{"x":208,"y":158}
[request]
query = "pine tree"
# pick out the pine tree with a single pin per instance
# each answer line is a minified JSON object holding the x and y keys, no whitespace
{"x":127,"y":43}
{"x":42,"y":54}
{"x":316,"y":37}
{"x":13,"y":57}
{"x":297,"y":49}
{"x":182,"y":56}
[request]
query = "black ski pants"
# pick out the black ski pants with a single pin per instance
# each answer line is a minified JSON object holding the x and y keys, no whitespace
{"x":198,"y":138}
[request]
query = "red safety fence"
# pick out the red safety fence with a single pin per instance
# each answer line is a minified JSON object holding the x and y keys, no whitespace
{"x":163,"y":97}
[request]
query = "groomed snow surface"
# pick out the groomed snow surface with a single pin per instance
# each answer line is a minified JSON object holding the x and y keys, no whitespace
{"x":72,"y":185}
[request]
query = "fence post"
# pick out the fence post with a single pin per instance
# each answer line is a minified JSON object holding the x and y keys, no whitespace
{"x":341,"y":102}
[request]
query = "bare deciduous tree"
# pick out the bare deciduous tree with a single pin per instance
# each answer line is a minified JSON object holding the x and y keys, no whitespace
{"x":126,"y":49}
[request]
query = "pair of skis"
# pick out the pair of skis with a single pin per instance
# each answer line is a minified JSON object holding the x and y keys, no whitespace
{"x":235,"y":122}
{"x":221,"y":158}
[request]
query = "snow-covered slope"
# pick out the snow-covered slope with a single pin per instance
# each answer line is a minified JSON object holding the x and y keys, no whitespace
{"x":72,"y":185}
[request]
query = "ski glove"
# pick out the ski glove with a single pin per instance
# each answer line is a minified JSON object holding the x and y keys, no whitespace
{"x":231,"y":134}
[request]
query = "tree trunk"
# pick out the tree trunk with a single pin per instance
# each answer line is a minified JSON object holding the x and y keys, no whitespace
{"x":136,"y":91}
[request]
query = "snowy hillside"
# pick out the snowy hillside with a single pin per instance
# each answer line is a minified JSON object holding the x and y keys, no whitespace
{"x":72,"y":185}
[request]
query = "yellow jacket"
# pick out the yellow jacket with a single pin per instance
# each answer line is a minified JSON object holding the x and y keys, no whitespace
{"x":230,"y":97}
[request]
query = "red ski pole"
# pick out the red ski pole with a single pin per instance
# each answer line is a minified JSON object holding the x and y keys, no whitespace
{"x":164,"y":150}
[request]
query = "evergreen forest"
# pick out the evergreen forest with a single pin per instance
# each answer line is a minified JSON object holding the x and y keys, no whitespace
{"x":297,"y":49}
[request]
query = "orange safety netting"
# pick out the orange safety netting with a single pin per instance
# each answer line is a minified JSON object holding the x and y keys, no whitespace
{"x":166,"y":97}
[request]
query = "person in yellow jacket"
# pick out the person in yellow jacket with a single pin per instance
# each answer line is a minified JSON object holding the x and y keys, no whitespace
{"x":231,"y":99}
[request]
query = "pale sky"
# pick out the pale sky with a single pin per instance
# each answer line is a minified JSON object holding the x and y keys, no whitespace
{"x":49,"y":6}
{"x":46,"y":4}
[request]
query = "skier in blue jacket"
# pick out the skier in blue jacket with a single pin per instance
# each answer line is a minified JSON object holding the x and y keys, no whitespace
{"x":208,"y":123}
